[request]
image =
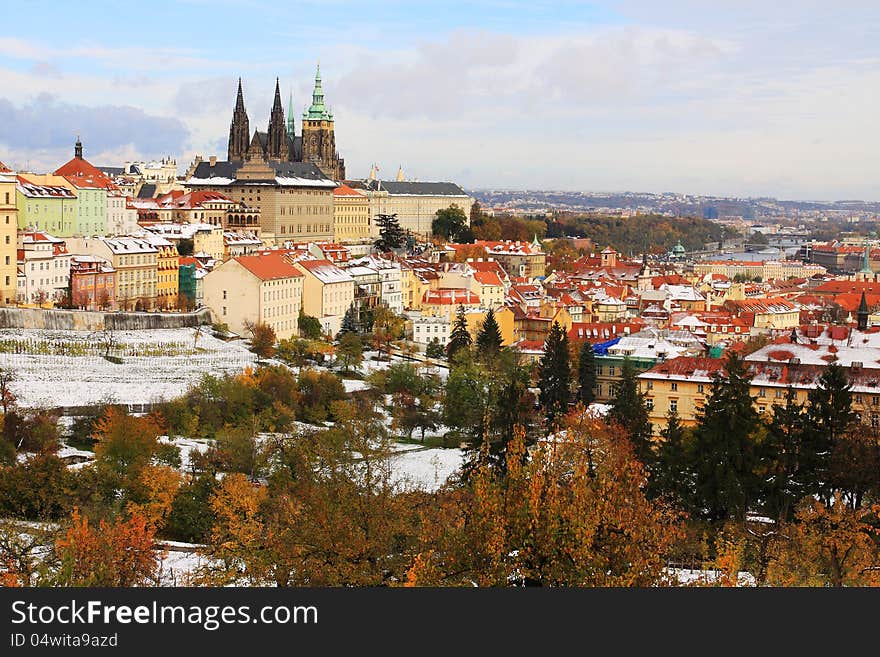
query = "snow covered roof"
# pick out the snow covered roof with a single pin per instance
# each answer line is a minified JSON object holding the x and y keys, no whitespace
{"x":325,"y":271}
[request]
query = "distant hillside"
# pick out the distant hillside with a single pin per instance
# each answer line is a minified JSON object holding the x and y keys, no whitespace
{"x":633,"y":234}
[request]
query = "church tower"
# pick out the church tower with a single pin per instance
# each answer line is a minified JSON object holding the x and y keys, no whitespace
{"x":277,"y":147}
{"x":318,"y":137}
{"x":862,"y":314}
{"x":239,"y":129}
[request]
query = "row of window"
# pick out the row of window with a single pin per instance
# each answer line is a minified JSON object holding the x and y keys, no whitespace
{"x":320,"y":228}
{"x":305,"y":209}
{"x":45,"y":265}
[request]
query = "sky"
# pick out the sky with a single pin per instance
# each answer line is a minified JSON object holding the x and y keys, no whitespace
{"x":725,"y":97}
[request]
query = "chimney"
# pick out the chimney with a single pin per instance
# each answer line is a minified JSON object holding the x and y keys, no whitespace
{"x":213,"y":160}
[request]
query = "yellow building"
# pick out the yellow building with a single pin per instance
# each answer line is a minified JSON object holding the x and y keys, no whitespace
{"x":504,"y":317}
{"x":680,"y":385}
{"x":351,"y":215}
{"x":263,"y":288}
{"x":135,"y":261}
{"x":769,"y":313}
{"x":8,"y":232}
{"x":167,"y":271}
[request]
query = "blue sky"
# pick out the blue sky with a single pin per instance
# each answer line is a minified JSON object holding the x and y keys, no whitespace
{"x":728,"y":97}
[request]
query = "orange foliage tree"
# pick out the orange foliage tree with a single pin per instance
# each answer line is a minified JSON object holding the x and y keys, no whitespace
{"x":112,"y":554}
{"x":574,"y":514}
{"x":125,"y":445}
{"x":832,"y":545}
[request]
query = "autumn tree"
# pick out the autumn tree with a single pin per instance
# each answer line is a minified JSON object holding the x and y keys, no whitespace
{"x":263,"y":338}
{"x":572,"y":515}
{"x":828,"y":545}
{"x":121,"y":553}
{"x":124,"y":446}
{"x":388,"y":326}
{"x":41,"y":488}
{"x":7,"y":397}
{"x":350,"y":350}
{"x":330,"y":515}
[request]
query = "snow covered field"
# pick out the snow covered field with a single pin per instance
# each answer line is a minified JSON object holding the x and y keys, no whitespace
{"x":52,"y":380}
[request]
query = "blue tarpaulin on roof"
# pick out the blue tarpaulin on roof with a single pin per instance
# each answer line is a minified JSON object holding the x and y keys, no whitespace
{"x":601,"y":348}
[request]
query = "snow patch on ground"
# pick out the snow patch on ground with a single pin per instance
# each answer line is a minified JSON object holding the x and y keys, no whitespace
{"x":43,"y":380}
{"x":425,"y":469}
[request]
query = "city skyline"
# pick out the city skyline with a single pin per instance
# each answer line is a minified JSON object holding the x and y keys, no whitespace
{"x":744,"y":100}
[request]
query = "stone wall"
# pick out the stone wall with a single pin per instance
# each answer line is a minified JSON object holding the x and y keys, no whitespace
{"x":84,"y":320}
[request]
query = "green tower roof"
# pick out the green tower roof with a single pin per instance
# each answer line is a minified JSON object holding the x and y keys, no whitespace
{"x":866,"y":260}
{"x":317,"y":111}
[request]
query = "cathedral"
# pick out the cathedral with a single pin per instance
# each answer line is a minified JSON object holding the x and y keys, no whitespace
{"x":316,"y":144}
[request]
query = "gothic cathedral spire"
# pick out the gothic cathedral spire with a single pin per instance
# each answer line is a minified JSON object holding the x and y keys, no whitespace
{"x":277,"y":147}
{"x":239,"y":129}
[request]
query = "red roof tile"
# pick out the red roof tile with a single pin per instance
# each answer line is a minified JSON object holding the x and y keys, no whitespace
{"x":269,"y":265}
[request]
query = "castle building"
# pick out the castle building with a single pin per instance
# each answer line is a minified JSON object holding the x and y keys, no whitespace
{"x":316,"y":145}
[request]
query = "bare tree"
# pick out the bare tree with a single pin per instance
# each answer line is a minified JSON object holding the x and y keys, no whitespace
{"x":7,"y":397}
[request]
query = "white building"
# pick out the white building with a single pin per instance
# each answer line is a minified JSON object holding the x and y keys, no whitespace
{"x":44,"y":268}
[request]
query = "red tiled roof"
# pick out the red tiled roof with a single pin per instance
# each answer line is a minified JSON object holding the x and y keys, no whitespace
{"x":487,"y":278}
{"x":345,"y":190}
{"x":839,"y":287}
{"x":4,"y":168}
{"x":82,"y":173}
{"x":488,"y":266}
{"x":269,"y":265}
{"x":603,"y":330}
{"x":687,"y":365}
{"x":850,"y":301}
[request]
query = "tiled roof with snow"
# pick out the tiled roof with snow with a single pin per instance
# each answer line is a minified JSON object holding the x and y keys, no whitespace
{"x":325,"y":271}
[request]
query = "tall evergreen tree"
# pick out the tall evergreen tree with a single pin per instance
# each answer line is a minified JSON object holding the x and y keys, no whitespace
{"x":829,"y":415}
{"x":586,"y":392}
{"x":460,"y":338}
{"x":489,"y":338}
{"x":391,"y":235}
{"x":724,"y":445}
{"x":511,"y":405}
{"x":671,"y":471}
{"x":630,"y":411}
{"x":783,"y":458}
{"x":555,"y":376}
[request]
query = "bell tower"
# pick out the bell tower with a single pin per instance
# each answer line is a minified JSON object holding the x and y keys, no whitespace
{"x":318,"y":136}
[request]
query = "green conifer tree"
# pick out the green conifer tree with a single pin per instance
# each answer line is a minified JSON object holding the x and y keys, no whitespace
{"x":555,"y":376}
{"x":724,"y":446}
{"x":586,"y":374}
{"x":489,"y":338}
{"x":460,"y":338}
{"x":630,"y":411}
